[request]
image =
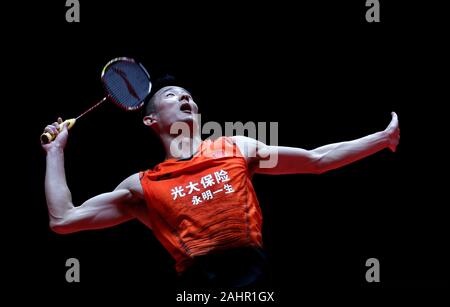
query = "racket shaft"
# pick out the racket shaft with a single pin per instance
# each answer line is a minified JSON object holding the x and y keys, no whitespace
{"x":48,"y":137}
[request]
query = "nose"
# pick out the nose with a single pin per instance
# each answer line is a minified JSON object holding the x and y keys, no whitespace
{"x":184,"y":97}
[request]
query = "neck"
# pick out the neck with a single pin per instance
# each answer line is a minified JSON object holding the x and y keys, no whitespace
{"x":180,"y":146}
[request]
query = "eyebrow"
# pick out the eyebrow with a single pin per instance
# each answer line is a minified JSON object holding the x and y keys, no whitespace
{"x":172,"y":88}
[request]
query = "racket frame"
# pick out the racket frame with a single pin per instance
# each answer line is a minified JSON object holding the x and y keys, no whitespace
{"x":111,"y":98}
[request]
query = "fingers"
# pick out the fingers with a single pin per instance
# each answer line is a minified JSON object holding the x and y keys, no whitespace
{"x":393,"y":131}
{"x":393,"y":144}
{"x":56,"y":125}
{"x":54,"y":128}
{"x":64,"y":126}
{"x":393,"y":125}
{"x":51,"y":129}
{"x":394,"y":116}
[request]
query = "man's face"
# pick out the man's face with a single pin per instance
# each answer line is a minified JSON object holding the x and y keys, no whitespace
{"x":174,"y":104}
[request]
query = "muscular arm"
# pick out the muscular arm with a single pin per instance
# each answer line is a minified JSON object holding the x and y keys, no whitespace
{"x":291,"y":160}
{"x":101,"y":211}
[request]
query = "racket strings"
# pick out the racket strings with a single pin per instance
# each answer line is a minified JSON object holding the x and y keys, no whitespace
{"x":127,"y":83}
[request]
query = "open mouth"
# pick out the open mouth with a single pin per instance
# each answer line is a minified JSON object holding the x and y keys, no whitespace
{"x":186,"y":108}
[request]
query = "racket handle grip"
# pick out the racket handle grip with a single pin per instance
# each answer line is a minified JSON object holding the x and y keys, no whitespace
{"x":48,"y":137}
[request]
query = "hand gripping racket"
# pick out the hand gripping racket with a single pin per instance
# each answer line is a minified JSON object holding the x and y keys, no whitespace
{"x":126,"y":83}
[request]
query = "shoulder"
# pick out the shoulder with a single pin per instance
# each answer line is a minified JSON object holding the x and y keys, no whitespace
{"x":137,"y":205}
{"x":132,"y":184}
{"x":250,"y":148}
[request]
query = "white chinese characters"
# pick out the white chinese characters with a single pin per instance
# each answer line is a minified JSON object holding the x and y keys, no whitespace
{"x":205,"y":189}
{"x":178,"y":191}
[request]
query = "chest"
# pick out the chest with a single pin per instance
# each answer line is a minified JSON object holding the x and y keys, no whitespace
{"x":199,"y":189}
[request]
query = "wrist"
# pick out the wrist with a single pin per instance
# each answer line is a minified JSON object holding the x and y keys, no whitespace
{"x":55,"y":150}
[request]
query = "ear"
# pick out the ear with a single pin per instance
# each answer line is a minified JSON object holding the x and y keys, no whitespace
{"x":150,"y":120}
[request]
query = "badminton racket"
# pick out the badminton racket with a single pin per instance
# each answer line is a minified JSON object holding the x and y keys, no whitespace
{"x":126,"y":83}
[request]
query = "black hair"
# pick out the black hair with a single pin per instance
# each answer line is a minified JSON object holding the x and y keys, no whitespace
{"x":149,"y":103}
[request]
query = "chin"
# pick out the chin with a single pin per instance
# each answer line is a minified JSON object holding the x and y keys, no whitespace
{"x":187,"y":117}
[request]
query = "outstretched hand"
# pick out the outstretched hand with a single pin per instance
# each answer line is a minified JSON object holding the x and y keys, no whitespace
{"x":61,"y":134}
{"x":393,"y":132}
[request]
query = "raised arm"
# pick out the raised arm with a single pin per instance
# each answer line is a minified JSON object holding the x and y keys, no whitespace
{"x":290,"y":160}
{"x":102,"y":211}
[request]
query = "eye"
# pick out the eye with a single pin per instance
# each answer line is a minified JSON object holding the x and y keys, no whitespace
{"x":170,"y":94}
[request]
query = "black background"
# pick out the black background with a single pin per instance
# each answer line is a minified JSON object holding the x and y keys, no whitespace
{"x":317,"y":68}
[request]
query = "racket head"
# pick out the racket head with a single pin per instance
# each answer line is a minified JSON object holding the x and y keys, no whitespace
{"x":126,"y":83}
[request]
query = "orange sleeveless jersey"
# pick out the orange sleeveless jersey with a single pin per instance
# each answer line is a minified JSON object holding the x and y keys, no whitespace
{"x":204,"y":204}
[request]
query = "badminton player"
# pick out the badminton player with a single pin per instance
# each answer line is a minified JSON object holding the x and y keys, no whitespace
{"x":199,"y":202}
